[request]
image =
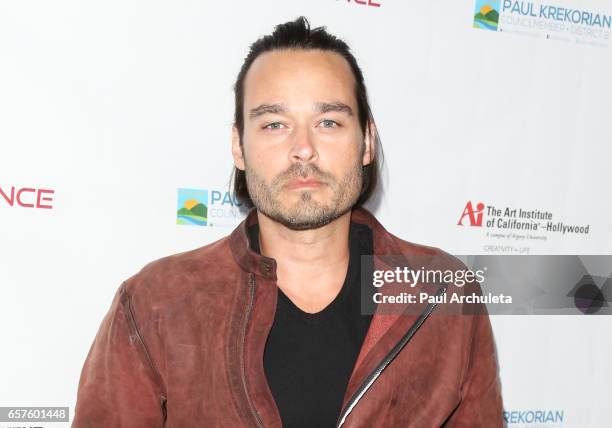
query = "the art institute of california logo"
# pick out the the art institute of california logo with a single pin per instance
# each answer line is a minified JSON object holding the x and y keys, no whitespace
{"x":192,"y":207}
{"x":486,"y":14}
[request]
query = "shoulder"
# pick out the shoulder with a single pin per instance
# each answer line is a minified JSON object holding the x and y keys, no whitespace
{"x":180,"y":276}
{"x":417,"y":253}
{"x":389,"y":244}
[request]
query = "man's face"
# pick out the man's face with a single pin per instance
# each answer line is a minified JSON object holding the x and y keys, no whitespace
{"x":302,"y":148}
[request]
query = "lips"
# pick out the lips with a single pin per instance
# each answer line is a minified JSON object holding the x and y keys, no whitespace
{"x":304,"y":183}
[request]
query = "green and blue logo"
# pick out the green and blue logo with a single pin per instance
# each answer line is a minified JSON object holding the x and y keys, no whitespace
{"x":208,"y":207}
{"x":486,"y":14}
{"x":192,"y":207}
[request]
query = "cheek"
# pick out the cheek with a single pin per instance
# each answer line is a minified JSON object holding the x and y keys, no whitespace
{"x":263,"y":161}
{"x":341,"y":154}
{"x":266,"y":159}
{"x":257,"y":149}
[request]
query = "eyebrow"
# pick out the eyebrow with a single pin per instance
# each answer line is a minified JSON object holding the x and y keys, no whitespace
{"x":336,"y":106}
{"x":265,"y":109}
{"x":321,"y":107}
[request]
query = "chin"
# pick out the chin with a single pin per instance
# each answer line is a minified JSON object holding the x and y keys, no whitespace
{"x":307,"y":222}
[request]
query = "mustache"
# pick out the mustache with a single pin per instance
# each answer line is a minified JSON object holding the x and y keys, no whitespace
{"x":298,"y":170}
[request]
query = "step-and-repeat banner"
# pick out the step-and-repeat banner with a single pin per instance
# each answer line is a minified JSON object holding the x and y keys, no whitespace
{"x":115,"y":120}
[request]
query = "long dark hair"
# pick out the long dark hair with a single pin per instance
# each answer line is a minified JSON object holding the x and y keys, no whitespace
{"x":297,"y":34}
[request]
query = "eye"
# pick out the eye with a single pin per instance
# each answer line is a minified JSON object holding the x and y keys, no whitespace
{"x":328,"y":123}
{"x":273,"y":125}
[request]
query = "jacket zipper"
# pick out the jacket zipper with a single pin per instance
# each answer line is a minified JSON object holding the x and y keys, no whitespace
{"x":244,"y":333}
{"x":367,"y":383}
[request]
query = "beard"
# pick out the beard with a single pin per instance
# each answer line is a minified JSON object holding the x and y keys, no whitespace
{"x":307,"y":212}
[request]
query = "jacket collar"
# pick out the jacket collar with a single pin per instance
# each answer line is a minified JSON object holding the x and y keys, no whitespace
{"x":385,"y":330}
{"x":253,"y":262}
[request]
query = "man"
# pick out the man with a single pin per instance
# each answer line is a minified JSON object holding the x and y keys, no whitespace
{"x":264,"y":328}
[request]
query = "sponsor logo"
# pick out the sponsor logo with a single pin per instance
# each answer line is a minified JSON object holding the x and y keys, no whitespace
{"x":365,"y":2}
{"x":541,"y":19}
{"x":473,"y":215}
{"x":192,"y":207}
{"x":26,"y":197}
{"x":539,"y":417}
{"x":486,"y":14}
{"x":207,"y":207}
{"x":516,"y":224}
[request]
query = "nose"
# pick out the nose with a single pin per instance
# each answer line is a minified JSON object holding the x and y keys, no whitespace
{"x":303,"y":149}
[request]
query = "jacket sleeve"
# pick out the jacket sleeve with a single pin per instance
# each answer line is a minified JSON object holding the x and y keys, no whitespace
{"x":481,"y":402}
{"x":119,"y":385}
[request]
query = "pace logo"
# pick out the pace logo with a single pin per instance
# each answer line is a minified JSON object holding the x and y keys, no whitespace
{"x":486,"y":14}
{"x":207,"y":207}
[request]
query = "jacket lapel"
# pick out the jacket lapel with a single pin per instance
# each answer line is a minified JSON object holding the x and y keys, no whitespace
{"x":390,"y":321}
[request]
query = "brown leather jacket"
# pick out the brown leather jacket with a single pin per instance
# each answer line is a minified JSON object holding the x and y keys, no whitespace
{"x":182,"y":346}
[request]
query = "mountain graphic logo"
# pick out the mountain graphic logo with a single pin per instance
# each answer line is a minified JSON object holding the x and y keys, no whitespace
{"x":192,"y":207}
{"x":486,"y":14}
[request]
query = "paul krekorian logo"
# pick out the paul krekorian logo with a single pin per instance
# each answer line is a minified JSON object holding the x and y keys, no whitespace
{"x":550,"y":21}
{"x":486,"y":15}
{"x":207,"y":207}
{"x":192,"y":207}
{"x":534,"y":417}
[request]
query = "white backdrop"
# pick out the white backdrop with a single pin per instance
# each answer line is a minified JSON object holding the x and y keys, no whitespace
{"x":107,"y":109}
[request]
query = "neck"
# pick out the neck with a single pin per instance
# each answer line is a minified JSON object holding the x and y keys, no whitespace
{"x":311,"y":264}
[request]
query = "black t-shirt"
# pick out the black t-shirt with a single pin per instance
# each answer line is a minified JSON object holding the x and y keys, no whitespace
{"x":309,"y":358}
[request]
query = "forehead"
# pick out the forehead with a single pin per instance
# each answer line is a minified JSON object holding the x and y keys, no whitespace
{"x":299,"y":75}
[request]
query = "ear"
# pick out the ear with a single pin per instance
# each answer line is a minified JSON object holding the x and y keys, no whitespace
{"x":237,"y":152}
{"x":368,"y":152}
